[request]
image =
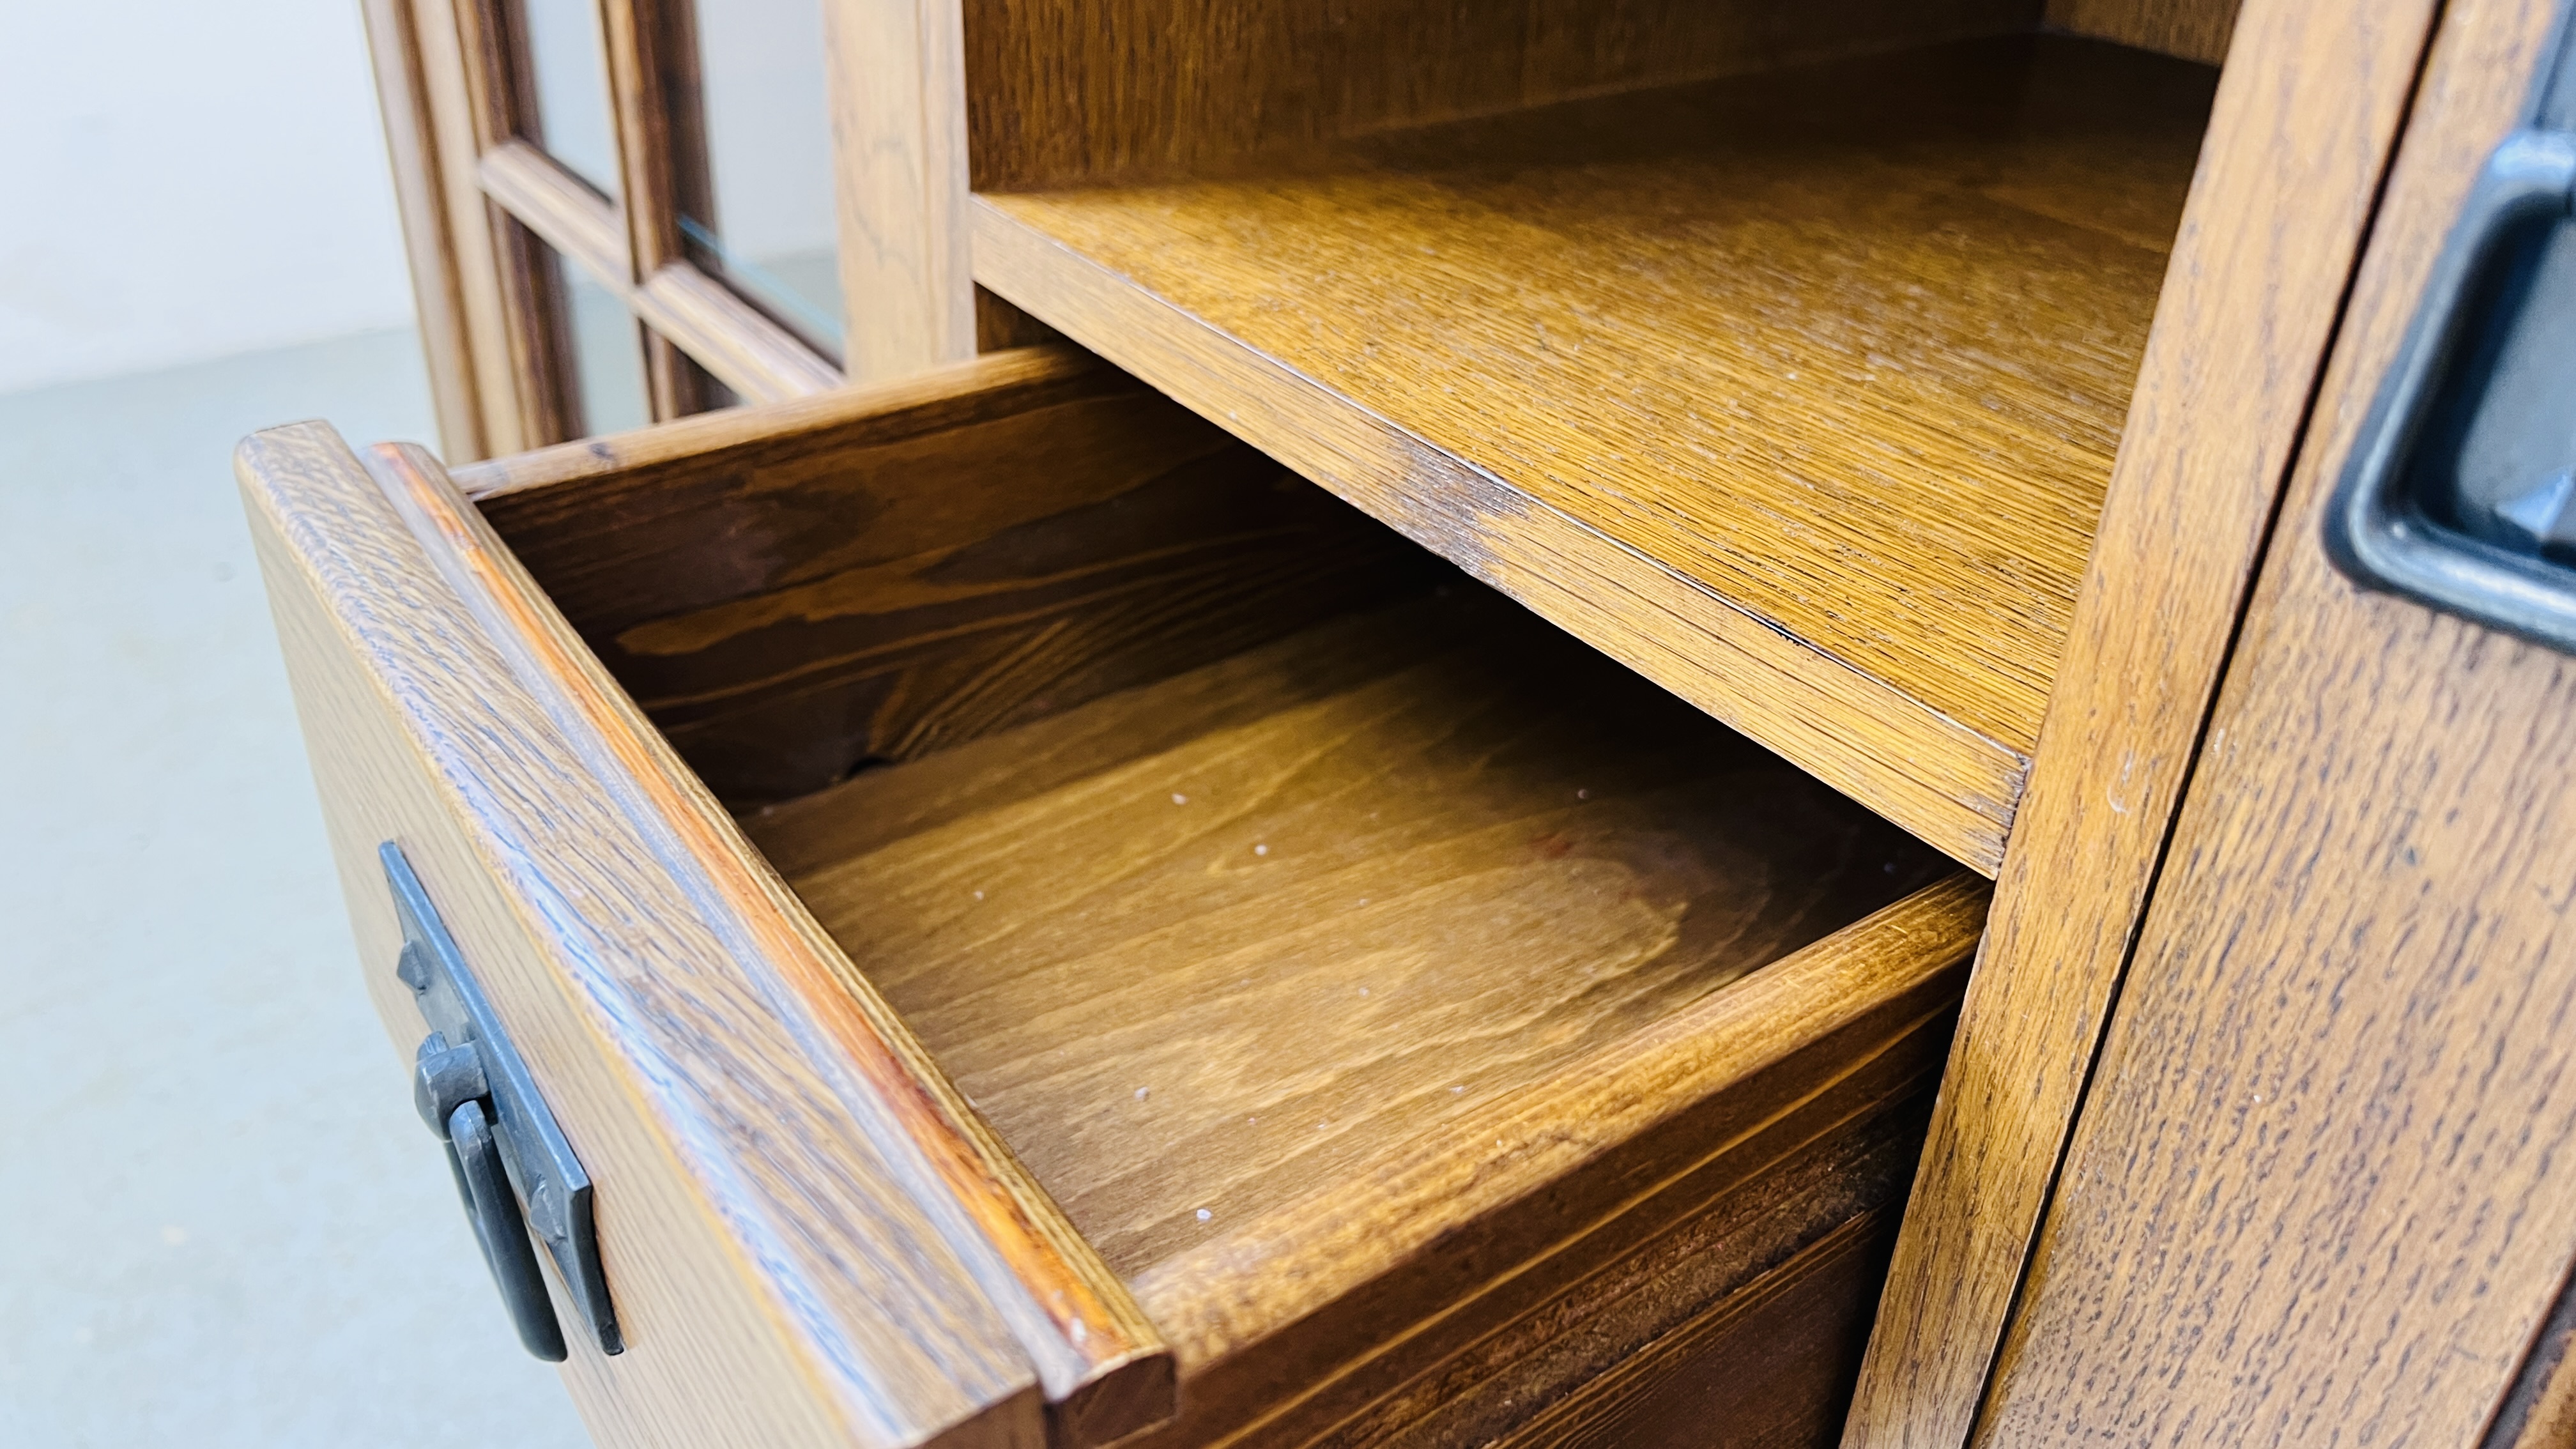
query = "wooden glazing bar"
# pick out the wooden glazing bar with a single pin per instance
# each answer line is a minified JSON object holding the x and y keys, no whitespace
{"x":567,"y":215}
{"x":729,"y":337}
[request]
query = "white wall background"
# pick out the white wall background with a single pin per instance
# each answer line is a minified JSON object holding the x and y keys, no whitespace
{"x":183,"y":180}
{"x":769,"y":127}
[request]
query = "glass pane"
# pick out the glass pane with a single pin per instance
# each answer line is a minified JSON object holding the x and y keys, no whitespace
{"x":604,"y":353}
{"x":568,"y":73}
{"x":712,"y":395}
{"x":767,"y":227}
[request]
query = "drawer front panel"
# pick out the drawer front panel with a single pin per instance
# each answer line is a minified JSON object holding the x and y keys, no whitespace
{"x":750,"y":1229}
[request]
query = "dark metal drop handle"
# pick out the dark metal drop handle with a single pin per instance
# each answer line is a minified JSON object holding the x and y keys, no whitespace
{"x":514,"y":1168}
{"x":2378,"y":528}
{"x":502,"y":1233}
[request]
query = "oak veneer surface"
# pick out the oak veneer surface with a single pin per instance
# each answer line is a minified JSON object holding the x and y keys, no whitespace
{"x":1103,"y":1368}
{"x":1079,"y":92}
{"x":1771,"y":1371}
{"x":2307,"y":114}
{"x":795,"y":590}
{"x":1397,"y":867}
{"x":751,"y":1222}
{"x":1840,"y":354}
{"x":1230,"y":956}
{"x":2319,"y":1193}
{"x":2192,"y":29}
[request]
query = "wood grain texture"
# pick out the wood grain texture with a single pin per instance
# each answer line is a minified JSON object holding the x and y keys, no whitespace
{"x":1799,"y":408}
{"x":2539,"y":1409}
{"x":2305,"y":117}
{"x":729,"y":337}
{"x":1102,"y":1366}
{"x":1062,"y":93}
{"x":472,"y":227}
{"x":2319,"y":1191}
{"x":1292,"y":939}
{"x":438,"y":291}
{"x":1628,"y":1354}
{"x":498,"y":104}
{"x":793,"y":593}
{"x":1770,"y":1367}
{"x":545,"y":208}
{"x":898,"y":93}
{"x":751,"y":1227}
{"x":2192,"y":29}
{"x":651,"y":47}
{"x":636,"y":39}
{"x":565,"y":213}
{"x":1259,"y":955}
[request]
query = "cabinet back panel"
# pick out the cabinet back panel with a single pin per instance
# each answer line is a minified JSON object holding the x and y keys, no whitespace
{"x":1060,"y":94}
{"x":2193,"y":29}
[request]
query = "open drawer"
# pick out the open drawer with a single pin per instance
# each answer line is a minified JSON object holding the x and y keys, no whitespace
{"x":1041,"y":926}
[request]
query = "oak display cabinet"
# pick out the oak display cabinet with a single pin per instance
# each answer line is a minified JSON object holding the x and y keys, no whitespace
{"x":1298,"y":720}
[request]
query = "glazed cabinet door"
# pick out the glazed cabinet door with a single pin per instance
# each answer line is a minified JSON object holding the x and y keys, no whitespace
{"x":2324,"y":1188}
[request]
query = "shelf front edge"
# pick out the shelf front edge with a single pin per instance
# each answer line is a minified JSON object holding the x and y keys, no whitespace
{"x":1951,"y":786}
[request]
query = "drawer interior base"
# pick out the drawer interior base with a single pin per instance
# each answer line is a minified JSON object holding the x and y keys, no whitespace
{"x":1202,"y":948}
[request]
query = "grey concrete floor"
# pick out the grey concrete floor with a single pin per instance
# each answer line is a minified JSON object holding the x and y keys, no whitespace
{"x":220,"y":1225}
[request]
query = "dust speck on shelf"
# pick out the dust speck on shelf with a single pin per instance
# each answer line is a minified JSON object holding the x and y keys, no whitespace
{"x":1180,"y":799}
{"x":1363,"y":900}
{"x":1582,"y":794}
{"x":1261,"y":850}
{"x":1141,"y":1091}
{"x":979,"y":895}
{"x":1454,"y":1091}
{"x":1204,"y":1215}
{"x":1363,"y":991}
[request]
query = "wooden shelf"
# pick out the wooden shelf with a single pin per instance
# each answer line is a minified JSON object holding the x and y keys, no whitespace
{"x":1797,"y":393}
{"x":1228,"y":957}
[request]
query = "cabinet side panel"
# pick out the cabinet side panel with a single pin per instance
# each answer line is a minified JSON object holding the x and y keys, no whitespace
{"x":2307,"y":112}
{"x":2320,"y":1192}
{"x":899,"y":184}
